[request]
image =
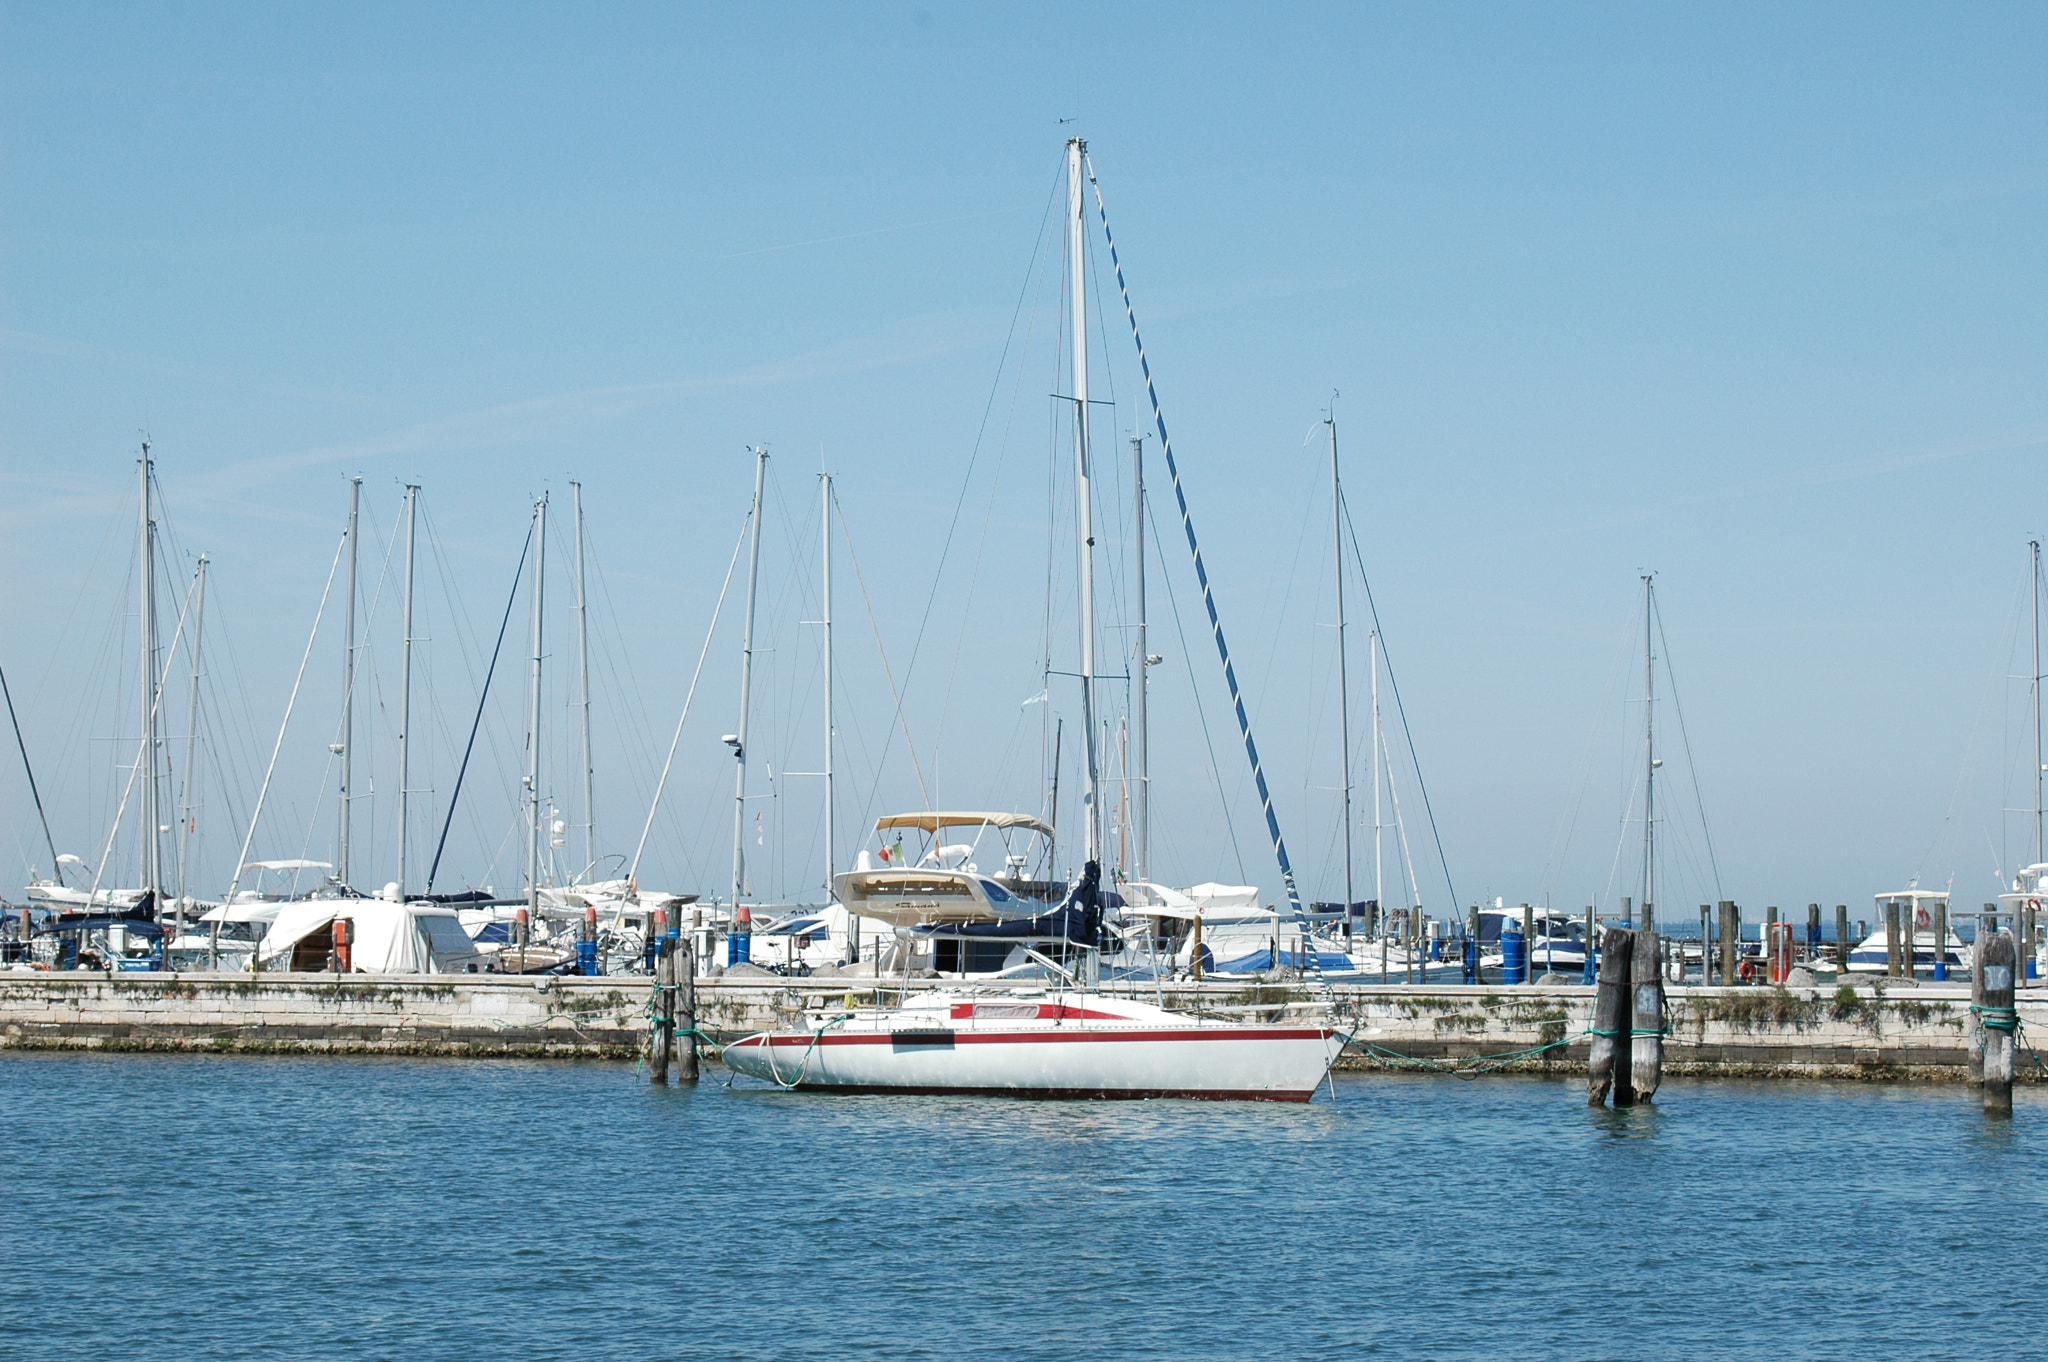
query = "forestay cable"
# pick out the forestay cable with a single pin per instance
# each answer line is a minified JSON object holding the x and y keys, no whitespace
{"x":1244,"y":723}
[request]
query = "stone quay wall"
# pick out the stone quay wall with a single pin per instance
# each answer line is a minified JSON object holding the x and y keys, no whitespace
{"x":1884,"y":1030}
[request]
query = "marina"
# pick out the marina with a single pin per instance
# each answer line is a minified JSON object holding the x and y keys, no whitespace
{"x":949,"y":682}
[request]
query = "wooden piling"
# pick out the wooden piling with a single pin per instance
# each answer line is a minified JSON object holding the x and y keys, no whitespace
{"x":686,"y":1017}
{"x":1731,"y":940}
{"x":1974,"y":1029}
{"x":1891,"y":938}
{"x":1528,"y":944}
{"x":1997,"y":962}
{"x":1811,"y":950}
{"x":661,"y":1035}
{"x":1611,"y":1022}
{"x":1842,"y":942}
{"x":1646,"y":1027}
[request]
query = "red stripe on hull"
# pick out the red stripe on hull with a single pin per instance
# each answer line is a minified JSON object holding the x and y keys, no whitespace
{"x":914,"y":1038}
{"x":1063,"y":1094}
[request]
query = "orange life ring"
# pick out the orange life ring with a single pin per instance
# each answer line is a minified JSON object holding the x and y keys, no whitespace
{"x":1746,"y":971}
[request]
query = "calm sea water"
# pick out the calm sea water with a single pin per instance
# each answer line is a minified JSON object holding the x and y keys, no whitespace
{"x":184,"y":1206}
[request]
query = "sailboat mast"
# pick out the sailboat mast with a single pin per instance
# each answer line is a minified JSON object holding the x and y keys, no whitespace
{"x":1343,"y":678}
{"x":1142,"y":867}
{"x":348,"y":693}
{"x":2034,"y":557}
{"x":191,"y":744}
{"x":1379,"y":893}
{"x":152,"y":844}
{"x":583,"y":685}
{"x":1649,"y":899}
{"x":539,"y":602}
{"x":412,"y":520}
{"x":831,"y":851}
{"x":1083,"y":495}
{"x":739,"y":739}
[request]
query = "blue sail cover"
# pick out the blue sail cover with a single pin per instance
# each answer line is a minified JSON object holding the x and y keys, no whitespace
{"x":1078,"y":920}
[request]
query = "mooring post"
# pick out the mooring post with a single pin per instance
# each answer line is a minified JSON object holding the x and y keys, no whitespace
{"x":2029,"y":924}
{"x":661,"y":1034}
{"x":1891,"y":938}
{"x":1472,"y":948}
{"x":1706,"y":944}
{"x":1646,"y":1027}
{"x":1842,"y":942}
{"x":686,"y":1013}
{"x":1529,"y":943}
{"x":1974,"y":1029}
{"x":1812,"y":932}
{"x":1611,"y":1022}
{"x":1940,"y":942}
{"x":1996,"y":962}
{"x":1586,"y":973}
{"x":1731,"y":940}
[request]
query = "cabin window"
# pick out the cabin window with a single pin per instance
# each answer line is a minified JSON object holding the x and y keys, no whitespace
{"x":996,"y":893}
{"x":955,"y":956}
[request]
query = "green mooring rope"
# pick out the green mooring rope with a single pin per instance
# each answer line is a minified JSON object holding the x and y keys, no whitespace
{"x":805,"y":1062}
{"x":2006,"y":1019}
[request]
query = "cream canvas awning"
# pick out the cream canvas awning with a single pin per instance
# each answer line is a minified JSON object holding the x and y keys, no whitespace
{"x":932,"y":822}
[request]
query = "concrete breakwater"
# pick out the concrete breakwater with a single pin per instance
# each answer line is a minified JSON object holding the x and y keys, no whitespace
{"x":1885,"y":1031}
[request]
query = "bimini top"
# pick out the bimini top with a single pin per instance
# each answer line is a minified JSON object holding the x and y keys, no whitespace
{"x":932,"y":822}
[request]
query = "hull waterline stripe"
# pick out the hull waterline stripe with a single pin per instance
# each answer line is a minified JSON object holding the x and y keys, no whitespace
{"x":1068,"y":1094}
{"x":1025,"y":1037}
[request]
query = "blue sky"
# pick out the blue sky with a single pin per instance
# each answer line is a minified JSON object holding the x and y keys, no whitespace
{"x":1748,"y":296}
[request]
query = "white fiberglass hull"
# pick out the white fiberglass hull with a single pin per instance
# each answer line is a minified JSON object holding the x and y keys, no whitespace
{"x":1081,"y":1046}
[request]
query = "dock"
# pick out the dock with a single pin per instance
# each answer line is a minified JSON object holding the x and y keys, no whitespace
{"x":1878,"y":1028}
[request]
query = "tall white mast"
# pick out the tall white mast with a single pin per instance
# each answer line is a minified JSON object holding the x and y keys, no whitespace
{"x":831,"y":852}
{"x":412,"y":510}
{"x":738,"y":741}
{"x":1141,"y":869}
{"x":1649,"y":899}
{"x":152,"y":843}
{"x":2034,"y":556}
{"x":348,"y":694}
{"x":1343,"y":662}
{"x":583,"y":666}
{"x":191,"y":748}
{"x":538,"y":601}
{"x":1379,"y":888}
{"x":1083,"y":496}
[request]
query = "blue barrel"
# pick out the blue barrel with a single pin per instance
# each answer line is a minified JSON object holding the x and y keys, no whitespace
{"x":739,"y":942}
{"x":1514,"y":958}
{"x":586,"y":958}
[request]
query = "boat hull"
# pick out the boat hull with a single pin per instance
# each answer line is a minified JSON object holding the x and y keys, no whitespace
{"x":1199,"y":1061}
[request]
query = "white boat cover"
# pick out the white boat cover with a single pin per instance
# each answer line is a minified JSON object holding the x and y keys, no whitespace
{"x":390,"y":938}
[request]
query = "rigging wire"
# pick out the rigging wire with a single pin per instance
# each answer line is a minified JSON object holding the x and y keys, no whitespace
{"x":1671,"y":675}
{"x":455,"y":795}
{"x":894,"y":693}
{"x":1400,"y":707}
{"x":661,"y":785}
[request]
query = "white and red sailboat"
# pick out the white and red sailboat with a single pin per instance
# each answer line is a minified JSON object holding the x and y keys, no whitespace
{"x":1055,"y":1045}
{"x":1066,"y":1038}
